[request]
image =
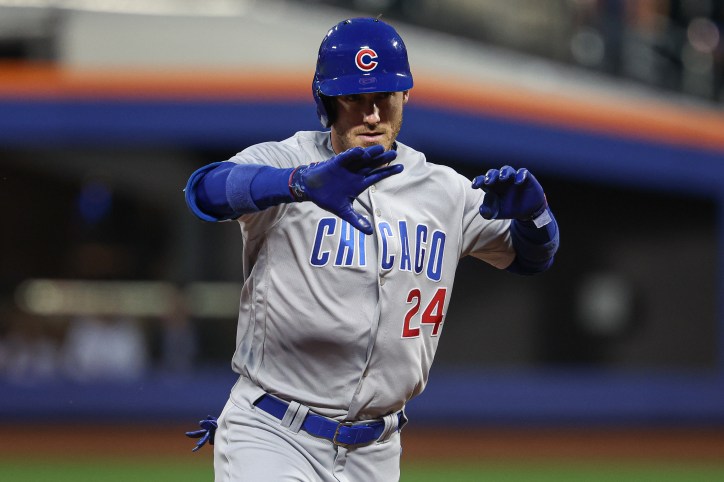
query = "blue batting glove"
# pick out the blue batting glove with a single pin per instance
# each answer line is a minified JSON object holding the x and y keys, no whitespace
{"x":334,"y":184}
{"x":206,"y":434}
{"x":511,"y":194}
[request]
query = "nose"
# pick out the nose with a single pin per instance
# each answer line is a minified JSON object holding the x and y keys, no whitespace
{"x":372,"y":114}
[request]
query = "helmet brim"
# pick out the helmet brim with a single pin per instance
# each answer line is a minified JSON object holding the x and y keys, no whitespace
{"x":365,"y":84}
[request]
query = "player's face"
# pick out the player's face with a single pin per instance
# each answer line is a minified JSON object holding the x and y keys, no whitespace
{"x":367,"y":119}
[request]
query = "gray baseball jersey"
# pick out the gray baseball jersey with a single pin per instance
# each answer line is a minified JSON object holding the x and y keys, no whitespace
{"x":344,"y":323}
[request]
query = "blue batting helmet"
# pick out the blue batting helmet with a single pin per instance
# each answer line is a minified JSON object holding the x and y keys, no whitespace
{"x":359,"y":56}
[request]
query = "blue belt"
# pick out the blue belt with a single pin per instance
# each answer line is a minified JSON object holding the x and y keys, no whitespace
{"x":344,"y":434}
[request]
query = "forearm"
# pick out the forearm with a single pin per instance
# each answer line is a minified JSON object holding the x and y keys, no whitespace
{"x":534,"y":247}
{"x":226,"y":190}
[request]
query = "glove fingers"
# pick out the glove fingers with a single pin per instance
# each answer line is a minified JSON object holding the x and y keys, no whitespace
{"x":355,"y":219}
{"x":384,"y":158}
{"x":490,"y":207}
{"x":507,"y":175}
{"x":510,"y":194}
{"x":491,"y":177}
{"x":209,"y":426}
{"x":201,"y":442}
{"x":367,"y":165}
{"x":488,"y":181}
{"x":374,"y":151}
{"x":478,"y":182}
{"x":349,"y":157}
{"x":381,"y":174}
{"x":365,"y":155}
{"x":496,"y":180}
{"x":521,"y":176}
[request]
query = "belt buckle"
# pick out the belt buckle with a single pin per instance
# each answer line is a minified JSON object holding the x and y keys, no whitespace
{"x":336,"y":433}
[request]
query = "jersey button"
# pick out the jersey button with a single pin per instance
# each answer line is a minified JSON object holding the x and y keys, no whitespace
{"x":378,"y":212}
{"x":373,"y":189}
{"x":382,"y":282}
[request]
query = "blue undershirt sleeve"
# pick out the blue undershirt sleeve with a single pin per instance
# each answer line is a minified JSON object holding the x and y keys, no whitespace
{"x":534,"y":247}
{"x":225,"y":190}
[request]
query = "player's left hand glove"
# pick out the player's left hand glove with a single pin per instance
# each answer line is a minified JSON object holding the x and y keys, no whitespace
{"x":206,"y":434}
{"x":511,"y":194}
{"x":334,"y":184}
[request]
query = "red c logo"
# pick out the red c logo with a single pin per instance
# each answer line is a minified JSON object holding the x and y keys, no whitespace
{"x":365,"y":59}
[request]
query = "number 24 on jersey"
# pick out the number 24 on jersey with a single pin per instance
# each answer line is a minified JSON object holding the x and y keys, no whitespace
{"x":433,"y":314}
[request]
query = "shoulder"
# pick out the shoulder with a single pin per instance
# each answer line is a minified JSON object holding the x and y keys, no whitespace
{"x":316,"y":145}
{"x":416,"y":162}
{"x":291,"y":152}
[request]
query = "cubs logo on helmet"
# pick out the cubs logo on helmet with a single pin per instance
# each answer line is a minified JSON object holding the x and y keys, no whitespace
{"x":365,"y":59}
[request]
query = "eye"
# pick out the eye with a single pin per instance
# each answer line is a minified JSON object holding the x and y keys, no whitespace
{"x":352,"y":98}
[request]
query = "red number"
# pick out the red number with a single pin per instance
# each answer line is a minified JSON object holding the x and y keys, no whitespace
{"x":413,"y":297}
{"x":433,"y":315}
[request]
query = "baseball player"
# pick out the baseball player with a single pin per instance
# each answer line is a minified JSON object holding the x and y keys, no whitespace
{"x":350,"y":244}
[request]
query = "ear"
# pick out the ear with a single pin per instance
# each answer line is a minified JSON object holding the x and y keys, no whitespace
{"x":330,"y":105}
{"x":405,"y":96}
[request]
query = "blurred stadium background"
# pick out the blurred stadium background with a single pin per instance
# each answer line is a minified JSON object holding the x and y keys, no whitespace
{"x":117,"y":307}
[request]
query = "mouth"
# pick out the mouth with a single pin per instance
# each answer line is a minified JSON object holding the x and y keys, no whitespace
{"x":372,"y":137}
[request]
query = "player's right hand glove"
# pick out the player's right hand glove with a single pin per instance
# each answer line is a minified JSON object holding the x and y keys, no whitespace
{"x":206,"y":434}
{"x":334,"y":184}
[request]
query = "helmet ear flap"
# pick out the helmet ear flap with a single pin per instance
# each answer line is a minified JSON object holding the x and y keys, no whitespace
{"x":326,"y":106}
{"x":331,"y":107}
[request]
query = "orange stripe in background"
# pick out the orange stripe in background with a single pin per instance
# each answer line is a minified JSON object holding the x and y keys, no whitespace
{"x":39,"y":81}
{"x":45,"y":81}
{"x":637,"y":119}
{"x":640,"y":119}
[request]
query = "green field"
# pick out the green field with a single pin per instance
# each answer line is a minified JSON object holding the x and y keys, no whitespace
{"x":114,"y":470}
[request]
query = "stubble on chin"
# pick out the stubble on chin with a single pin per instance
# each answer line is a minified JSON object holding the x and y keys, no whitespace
{"x":350,"y":139}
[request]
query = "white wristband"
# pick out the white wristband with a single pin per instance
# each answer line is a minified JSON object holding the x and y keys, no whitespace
{"x":542,"y":219}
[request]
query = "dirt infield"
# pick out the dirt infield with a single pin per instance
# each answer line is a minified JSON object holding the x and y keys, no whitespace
{"x":639,"y":444}
{"x":85,"y":441}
